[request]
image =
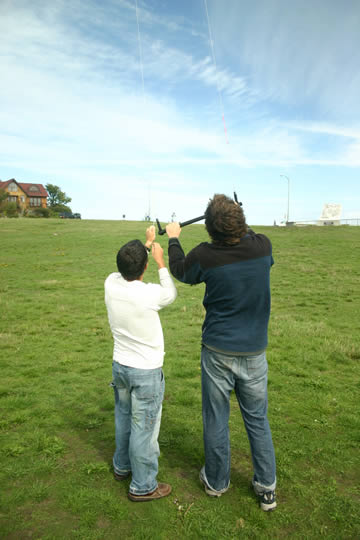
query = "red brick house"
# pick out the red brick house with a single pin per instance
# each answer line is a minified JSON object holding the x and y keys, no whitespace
{"x":26,"y":196}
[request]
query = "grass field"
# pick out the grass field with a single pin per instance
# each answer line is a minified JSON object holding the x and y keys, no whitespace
{"x":56,"y":423}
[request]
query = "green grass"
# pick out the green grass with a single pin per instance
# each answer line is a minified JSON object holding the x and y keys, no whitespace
{"x":56,"y":423}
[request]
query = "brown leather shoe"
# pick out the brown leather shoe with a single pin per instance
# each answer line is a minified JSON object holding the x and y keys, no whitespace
{"x":163,"y":490}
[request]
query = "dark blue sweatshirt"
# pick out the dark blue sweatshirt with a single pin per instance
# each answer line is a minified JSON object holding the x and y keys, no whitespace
{"x":237,"y":295}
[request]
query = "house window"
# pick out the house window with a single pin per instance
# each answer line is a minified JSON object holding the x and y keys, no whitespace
{"x":12,"y":187}
{"x":35,"y":201}
{"x":34,"y":188}
{"x":12,"y":199}
{"x":22,"y":198}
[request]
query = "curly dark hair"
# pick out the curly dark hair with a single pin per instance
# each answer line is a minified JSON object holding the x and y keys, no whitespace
{"x":225,"y":220}
{"x":131,"y":260}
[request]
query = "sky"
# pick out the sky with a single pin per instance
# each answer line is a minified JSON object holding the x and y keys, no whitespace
{"x":134,"y":107}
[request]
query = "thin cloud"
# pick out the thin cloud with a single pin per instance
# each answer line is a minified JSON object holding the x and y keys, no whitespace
{"x":328,"y":129}
{"x":295,"y":53}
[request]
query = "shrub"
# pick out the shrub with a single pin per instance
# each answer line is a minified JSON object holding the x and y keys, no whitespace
{"x":39,"y":212}
{"x":57,"y":209}
{"x":10,"y":210}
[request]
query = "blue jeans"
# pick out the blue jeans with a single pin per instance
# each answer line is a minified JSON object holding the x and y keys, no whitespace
{"x":138,"y":404}
{"x":247,"y":375}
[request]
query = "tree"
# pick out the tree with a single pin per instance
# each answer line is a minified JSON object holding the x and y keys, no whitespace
{"x":56,"y":197}
{"x":3,"y":195}
{"x":8,"y":209}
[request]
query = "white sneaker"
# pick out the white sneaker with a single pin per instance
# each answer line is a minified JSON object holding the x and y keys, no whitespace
{"x":267,"y":500}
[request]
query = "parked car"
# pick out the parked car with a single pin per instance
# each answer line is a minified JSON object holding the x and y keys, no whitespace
{"x":69,"y":215}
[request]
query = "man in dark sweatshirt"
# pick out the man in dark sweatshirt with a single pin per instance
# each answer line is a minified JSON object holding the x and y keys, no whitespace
{"x":235,"y":267}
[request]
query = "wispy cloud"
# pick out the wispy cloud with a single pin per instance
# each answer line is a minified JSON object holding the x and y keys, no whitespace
{"x":328,"y":129}
{"x":230,"y":84}
{"x":297,"y":53}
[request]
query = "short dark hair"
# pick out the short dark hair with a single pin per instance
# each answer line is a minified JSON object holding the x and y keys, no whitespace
{"x":131,"y":260}
{"x":225,"y":220}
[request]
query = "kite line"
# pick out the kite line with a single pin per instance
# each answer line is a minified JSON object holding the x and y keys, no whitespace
{"x":148,"y":216}
{"x":216,"y":71}
{"x":140,"y":50}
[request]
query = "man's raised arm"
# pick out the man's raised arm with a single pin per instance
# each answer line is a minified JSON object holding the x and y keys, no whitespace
{"x":184,"y":268}
{"x":176,"y":252}
{"x":168,"y":290}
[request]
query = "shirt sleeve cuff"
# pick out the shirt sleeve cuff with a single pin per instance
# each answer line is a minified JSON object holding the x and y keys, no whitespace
{"x":174,"y":241}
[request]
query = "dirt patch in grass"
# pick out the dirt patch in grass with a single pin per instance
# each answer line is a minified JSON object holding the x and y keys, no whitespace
{"x":39,"y":519}
{"x":349,"y":485}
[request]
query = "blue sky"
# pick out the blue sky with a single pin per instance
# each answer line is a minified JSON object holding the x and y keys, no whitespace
{"x":79,"y":109}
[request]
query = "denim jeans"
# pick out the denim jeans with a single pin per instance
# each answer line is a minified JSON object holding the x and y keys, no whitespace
{"x":138,"y":404}
{"x":247,"y":375}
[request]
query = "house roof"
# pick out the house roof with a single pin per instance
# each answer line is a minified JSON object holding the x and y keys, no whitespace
{"x":31,"y":190}
{"x":4,"y":185}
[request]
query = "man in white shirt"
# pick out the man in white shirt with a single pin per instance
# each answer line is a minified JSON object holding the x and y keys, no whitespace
{"x":138,"y":379}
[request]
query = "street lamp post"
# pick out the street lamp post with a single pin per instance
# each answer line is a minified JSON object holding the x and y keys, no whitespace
{"x":288,"y":198}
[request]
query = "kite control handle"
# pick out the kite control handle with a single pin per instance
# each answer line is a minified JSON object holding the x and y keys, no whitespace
{"x":236,"y":199}
{"x":162,"y":231}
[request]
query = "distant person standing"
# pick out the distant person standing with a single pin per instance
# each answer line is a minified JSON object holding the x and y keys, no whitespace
{"x":235,"y":267}
{"x":138,"y":380}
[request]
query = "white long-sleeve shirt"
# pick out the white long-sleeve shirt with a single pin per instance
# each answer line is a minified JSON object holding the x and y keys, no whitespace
{"x":134,"y":321}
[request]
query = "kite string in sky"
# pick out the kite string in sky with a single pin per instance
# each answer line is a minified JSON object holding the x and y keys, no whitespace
{"x":216,"y":71}
{"x":140,"y":50}
{"x":213,"y":58}
{"x":143,"y":90}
